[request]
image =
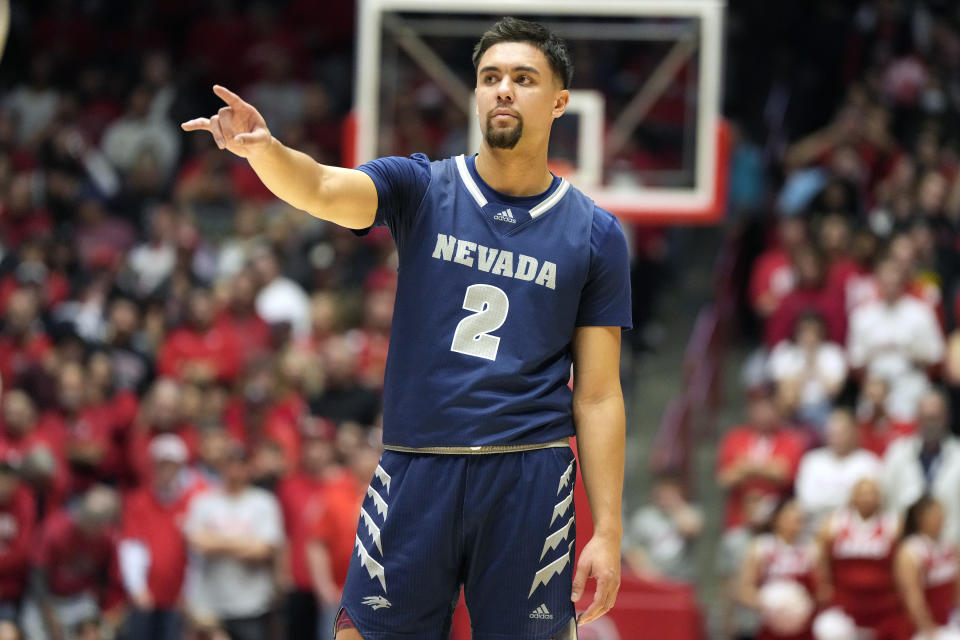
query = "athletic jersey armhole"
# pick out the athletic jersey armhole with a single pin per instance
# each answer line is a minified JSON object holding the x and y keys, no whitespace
{"x":605,"y":298}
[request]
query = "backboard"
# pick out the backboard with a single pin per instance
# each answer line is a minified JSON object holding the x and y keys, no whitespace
{"x":642,"y":135}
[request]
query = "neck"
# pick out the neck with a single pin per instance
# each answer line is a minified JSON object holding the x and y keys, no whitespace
{"x":517,"y":172}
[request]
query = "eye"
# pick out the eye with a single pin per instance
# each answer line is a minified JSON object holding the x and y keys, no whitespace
{"x":523,"y":79}
{"x":489,"y":79}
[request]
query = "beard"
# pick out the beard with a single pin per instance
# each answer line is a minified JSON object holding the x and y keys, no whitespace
{"x":506,"y":138}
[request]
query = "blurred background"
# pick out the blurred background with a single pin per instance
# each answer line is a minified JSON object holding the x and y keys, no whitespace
{"x":191,"y":370}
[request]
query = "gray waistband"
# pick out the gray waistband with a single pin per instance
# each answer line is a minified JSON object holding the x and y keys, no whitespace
{"x":487,"y":449}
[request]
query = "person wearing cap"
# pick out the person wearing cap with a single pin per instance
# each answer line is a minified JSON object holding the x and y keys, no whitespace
{"x":234,"y":533}
{"x":152,"y":549}
{"x":17,"y":520}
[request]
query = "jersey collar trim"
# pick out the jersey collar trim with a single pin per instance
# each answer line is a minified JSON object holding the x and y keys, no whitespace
{"x":551,"y":200}
{"x":469,"y":182}
{"x":545,"y":205}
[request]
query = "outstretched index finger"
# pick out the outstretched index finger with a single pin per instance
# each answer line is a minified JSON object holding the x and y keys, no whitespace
{"x":228,"y":96}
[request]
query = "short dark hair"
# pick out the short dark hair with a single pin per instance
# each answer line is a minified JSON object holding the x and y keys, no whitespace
{"x":516,"y":30}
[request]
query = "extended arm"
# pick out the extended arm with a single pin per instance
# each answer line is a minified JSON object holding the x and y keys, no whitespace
{"x":344,"y":196}
{"x":600,"y":423}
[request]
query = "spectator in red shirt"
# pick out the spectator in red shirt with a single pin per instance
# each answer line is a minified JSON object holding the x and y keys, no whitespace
{"x":810,"y":293}
{"x":760,"y":457}
{"x":122,"y":403}
{"x":40,"y":448}
{"x":152,"y":550}
{"x":200,"y":351}
{"x":846,"y":258}
{"x":161,"y":412}
{"x":74,"y":566}
{"x":373,"y":338}
{"x":17,"y":519}
{"x":91,"y":445}
{"x":21,"y":219}
{"x":877,"y":429}
{"x":772,"y":274}
{"x":302,"y":497}
{"x":23,"y":344}
{"x":331,"y":531}
{"x":255,"y":416}
{"x":239,"y":318}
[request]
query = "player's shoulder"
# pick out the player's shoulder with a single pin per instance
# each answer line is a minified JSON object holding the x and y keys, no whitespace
{"x":414,"y":163}
{"x":604,"y":223}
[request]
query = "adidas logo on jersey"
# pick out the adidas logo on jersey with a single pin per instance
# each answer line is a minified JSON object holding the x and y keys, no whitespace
{"x":541,"y":613}
{"x":505,"y":216}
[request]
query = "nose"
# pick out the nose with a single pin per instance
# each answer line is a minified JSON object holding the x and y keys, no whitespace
{"x":505,"y":89}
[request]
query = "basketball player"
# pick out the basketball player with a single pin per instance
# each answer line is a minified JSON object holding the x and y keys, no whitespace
{"x":857,"y":543}
{"x":507,"y":275}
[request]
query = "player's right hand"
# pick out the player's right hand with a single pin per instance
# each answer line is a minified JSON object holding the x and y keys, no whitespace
{"x":237,"y":127}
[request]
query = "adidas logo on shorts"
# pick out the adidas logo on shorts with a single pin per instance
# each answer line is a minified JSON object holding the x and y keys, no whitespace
{"x":505,"y":216}
{"x":541,"y":613}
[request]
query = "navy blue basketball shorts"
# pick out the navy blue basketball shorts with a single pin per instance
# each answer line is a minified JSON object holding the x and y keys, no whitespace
{"x":501,"y":525}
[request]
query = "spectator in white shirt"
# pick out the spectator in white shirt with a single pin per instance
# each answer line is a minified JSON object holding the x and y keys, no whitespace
{"x":808,"y":371}
{"x":280,"y":299}
{"x":659,"y":538}
{"x":234,"y":533}
{"x":137,"y":132}
{"x":926,"y":463}
{"x":896,"y":338}
{"x":152,"y":262}
{"x":34,"y":104}
{"x":827,"y":474}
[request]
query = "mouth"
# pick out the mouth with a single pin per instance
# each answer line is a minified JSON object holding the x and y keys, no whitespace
{"x":503,"y":113}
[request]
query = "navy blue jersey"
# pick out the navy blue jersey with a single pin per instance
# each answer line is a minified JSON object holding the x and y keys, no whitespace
{"x":490,"y":290}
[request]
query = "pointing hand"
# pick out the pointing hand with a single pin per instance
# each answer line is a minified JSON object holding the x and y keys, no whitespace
{"x":237,"y":127}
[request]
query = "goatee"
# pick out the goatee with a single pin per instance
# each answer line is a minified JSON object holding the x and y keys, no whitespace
{"x":503,"y":138}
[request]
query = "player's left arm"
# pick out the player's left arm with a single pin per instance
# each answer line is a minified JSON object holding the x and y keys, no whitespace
{"x":598,"y":414}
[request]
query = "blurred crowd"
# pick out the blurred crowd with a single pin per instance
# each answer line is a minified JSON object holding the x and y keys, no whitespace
{"x":842,"y":508}
{"x":842,"y":514}
{"x":190,"y":370}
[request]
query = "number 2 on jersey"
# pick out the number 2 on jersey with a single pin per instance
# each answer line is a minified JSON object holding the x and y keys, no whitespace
{"x":490,"y":306}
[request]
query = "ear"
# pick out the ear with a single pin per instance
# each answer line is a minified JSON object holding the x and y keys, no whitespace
{"x":560,"y":105}
{"x":476,"y":103}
